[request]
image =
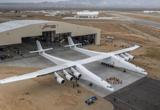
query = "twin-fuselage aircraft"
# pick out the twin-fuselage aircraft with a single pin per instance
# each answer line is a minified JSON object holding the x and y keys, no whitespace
{"x":75,"y":69}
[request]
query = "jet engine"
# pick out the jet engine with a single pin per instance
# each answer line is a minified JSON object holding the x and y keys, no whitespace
{"x":125,"y":57}
{"x":76,"y":73}
{"x":130,"y":56}
{"x":59,"y":79}
{"x":67,"y":75}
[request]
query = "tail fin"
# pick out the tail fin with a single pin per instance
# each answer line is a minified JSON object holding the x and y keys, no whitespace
{"x":70,"y":41}
{"x":40,"y":49}
{"x":39,"y":46}
{"x":72,"y":44}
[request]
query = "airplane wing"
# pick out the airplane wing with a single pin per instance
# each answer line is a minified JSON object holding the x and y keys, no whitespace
{"x":125,"y":50}
{"x":93,"y":53}
{"x":93,"y":59}
{"x":42,"y":72}
{"x":102,"y":56}
{"x":87,"y":52}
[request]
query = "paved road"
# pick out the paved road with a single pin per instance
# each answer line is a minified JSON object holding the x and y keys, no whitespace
{"x":141,"y":95}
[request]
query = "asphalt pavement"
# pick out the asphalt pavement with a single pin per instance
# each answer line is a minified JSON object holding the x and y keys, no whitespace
{"x":141,"y":95}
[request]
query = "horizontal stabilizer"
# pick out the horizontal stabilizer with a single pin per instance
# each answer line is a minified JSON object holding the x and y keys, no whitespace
{"x":74,"y":45}
{"x":41,"y":51}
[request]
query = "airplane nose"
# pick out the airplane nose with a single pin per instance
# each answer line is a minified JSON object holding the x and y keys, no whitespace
{"x":144,"y":72}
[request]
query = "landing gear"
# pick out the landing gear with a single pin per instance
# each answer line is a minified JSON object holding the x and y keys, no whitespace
{"x":108,"y":65}
{"x":75,"y":82}
{"x":90,"y":84}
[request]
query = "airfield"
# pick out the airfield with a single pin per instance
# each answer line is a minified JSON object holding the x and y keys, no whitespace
{"x":45,"y":92}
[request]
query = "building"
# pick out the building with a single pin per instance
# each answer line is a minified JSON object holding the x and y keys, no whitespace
{"x":19,"y":31}
{"x":87,"y":14}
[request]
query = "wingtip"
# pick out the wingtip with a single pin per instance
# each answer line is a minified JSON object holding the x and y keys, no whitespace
{"x":145,"y":73}
{"x":1,"y":82}
{"x":136,"y":45}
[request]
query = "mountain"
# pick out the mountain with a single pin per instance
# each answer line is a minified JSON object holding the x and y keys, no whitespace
{"x":118,"y":3}
{"x":86,"y":4}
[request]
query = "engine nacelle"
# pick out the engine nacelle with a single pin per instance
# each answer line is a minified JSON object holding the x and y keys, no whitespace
{"x":125,"y":57}
{"x":76,"y":73}
{"x":67,"y":75}
{"x":59,"y":79}
{"x":130,"y":56}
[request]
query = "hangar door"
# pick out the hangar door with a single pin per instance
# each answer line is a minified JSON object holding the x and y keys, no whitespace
{"x":48,"y":36}
{"x":61,"y":38}
{"x":85,"y":39}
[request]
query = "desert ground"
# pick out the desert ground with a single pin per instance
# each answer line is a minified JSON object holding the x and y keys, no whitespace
{"x":44,"y":94}
{"x":38,"y":94}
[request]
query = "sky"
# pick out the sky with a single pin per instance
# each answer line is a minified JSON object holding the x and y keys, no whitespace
{"x":8,"y":1}
{"x":106,"y":3}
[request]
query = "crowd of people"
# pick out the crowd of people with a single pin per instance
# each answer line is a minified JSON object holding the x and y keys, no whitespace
{"x":114,"y":80}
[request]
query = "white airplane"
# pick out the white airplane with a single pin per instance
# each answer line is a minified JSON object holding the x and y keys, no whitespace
{"x":71,"y":69}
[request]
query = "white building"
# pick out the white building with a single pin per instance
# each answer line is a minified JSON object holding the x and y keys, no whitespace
{"x":87,"y":14}
{"x":149,"y":11}
{"x":15,"y":32}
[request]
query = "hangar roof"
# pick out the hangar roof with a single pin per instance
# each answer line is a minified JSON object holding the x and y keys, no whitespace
{"x":10,"y":25}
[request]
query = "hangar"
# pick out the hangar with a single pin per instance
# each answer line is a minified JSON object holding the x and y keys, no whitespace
{"x":19,"y":31}
{"x":87,"y":14}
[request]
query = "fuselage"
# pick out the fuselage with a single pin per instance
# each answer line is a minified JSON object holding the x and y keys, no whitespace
{"x":86,"y":74}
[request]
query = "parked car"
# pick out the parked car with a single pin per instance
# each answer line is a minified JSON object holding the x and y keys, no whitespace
{"x":91,"y":100}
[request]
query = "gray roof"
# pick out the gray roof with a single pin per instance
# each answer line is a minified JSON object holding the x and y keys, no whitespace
{"x":10,"y":25}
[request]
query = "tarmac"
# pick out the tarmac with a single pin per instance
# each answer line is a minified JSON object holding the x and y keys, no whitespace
{"x":141,"y":95}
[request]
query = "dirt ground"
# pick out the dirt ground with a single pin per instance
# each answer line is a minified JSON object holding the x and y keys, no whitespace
{"x":153,"y":17}
{"x":44,"y":93}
